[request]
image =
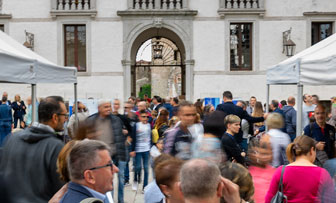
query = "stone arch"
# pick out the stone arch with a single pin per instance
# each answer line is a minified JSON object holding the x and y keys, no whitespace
{"x":136,"y":34}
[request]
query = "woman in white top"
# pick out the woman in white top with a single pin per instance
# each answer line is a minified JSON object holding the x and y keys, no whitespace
{"x":279,"y":140}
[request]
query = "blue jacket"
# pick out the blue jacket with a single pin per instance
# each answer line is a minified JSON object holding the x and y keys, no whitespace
{"x":5,"y":114}
{"x":290,"y":119}
{"x":75,"y":193}
{"x":314,"y":131}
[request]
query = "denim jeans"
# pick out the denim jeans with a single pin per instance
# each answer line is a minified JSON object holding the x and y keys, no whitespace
{"x":127,"y":164}
{"x":5,"y":129}
{"x":121,"y":179}
{"x":144,"y":156}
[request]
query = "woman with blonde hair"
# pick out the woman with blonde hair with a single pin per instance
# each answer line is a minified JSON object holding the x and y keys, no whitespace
{"x":19,"y":108}
{"x":302,"y":180}
{"x":278,"y":139}
{"x":229,"y":144}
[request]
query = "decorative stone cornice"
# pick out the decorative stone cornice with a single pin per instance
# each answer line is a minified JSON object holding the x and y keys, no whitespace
{"x":189,"y":62}
{"x":55,"y":13}
{"x":222,"y":12}
{"x":126,"y":62}
{"x":5,"y":16}
{"x":157,"y":13}
{"x":317,"y":13}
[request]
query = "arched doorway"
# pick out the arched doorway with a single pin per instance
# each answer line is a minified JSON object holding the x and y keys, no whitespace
{"x":158,"y":67}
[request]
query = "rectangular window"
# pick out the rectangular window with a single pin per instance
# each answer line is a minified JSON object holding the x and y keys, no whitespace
{"x":320,"y":31}
{"x":240,"y":46}
{"x":75,"y":46}
{"x":2,"y":27}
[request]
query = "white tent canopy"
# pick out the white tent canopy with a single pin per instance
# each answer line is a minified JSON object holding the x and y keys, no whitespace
{"x":315,"y":65}
{"x":21,"y":65}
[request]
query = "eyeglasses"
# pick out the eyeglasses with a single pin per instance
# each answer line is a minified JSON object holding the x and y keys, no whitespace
{"x":63,"y":114}
{"x":144,"y":116}
{"x":107,"y":165}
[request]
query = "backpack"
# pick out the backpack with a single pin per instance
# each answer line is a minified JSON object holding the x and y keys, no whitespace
{"x":155,"y":135}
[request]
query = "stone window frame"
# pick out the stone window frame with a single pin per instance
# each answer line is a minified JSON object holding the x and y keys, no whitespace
{"x":255,"y":43}
{"x":318,"y":22}
{"x":240,"y":53}
{"x":65,"y":50}
{"x":313,"y":17}
{"x":61,"y":41}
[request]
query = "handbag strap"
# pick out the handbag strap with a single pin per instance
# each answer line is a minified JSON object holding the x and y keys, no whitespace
{"x":280,"y":187}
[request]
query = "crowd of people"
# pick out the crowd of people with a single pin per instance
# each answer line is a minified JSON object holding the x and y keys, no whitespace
{"x":234,"y":152}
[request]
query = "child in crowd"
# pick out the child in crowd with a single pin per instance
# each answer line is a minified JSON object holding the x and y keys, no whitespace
{"x":141,"y":144}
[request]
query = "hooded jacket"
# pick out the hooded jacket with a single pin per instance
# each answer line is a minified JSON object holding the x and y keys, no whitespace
{"x":28,"y":164}
{"x":290,"y":119}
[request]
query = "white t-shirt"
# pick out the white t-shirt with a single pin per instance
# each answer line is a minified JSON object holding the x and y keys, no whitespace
{"x":143,"y":137}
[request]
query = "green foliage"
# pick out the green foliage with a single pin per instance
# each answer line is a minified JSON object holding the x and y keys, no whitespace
{"x":145,"y":89}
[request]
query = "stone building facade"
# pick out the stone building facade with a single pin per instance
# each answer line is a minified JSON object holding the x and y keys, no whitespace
{"x":224,"y":44}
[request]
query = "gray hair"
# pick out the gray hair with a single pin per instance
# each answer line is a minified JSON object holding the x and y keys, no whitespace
{"x":84,"y":155}
{"x":199,"y":179}
{"x":274,"y":121}
{"x":103,"y":101}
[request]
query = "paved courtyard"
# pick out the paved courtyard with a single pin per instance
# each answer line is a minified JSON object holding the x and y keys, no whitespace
{"x":131,"y":196}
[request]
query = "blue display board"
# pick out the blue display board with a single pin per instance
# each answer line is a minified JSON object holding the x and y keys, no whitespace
{"x":212,"y":100}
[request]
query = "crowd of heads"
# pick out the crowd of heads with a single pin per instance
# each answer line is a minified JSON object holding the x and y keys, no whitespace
{"x":86,"y":159}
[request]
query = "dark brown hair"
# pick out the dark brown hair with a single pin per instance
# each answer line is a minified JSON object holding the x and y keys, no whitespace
{"x":167,"y":171}
{"x":301,"y":146}
{"x":239,"y":175}
{"x":162,"y":118}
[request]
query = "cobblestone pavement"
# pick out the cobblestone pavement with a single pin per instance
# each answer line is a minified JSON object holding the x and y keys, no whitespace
{"x":131,"y":196}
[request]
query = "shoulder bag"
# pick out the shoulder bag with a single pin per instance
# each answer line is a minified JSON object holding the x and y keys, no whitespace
{"x":280,"y":197}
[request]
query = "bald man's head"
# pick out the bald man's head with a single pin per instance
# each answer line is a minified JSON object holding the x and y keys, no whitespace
{"x":291,"y":101}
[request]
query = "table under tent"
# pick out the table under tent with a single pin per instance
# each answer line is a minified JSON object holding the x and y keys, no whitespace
{"x":19,"y":64}
{"x":315,"y":65}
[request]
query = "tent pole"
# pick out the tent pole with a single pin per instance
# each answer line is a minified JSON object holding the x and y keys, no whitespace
{"x":33,"y":99}
{"x":299,"y":110}
{"x":267,"y":99}
{"x":76,"y":106}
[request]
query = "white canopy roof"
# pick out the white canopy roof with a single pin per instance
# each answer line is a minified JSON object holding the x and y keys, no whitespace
{"x":19,"y":64}
{"x":315,"y":65}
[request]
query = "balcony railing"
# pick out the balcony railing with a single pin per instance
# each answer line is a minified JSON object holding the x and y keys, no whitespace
{"x":73,"y":7}
{"x":157,"y":4}
{"x":241,"y":7}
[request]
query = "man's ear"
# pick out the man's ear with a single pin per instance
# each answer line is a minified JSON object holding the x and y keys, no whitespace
{"x":220,"y":188}
{"x":54,"y":118}
{"x":164,"y":189}
{"x":89,"y":177}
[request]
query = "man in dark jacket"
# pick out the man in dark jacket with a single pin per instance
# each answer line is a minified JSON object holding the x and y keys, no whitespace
{"x":229,"y":108}
{"x":109,"y":130}
{"x":290,"y":118}
{"x":28,"y":162}
{"x":8,"y":102}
